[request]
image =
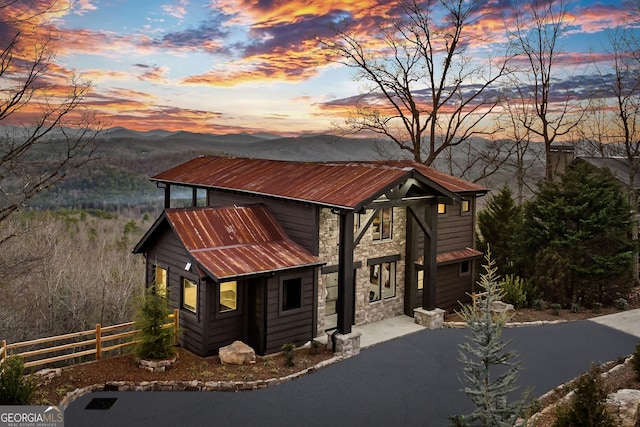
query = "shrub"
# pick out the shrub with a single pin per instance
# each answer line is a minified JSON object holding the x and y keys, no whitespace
{"x":589,"y":407}
{"x":538,"y":304}
{"x":289,"y":351}
{"x":635,"y":362}
{"x":15,"y":388}
{"x":316,"y":347}
{"x":156,"y":341}
{"x":621,"y":304}
{"x":514,"y":291}
{"x":555,"y":309}
{"x":597,"y":307}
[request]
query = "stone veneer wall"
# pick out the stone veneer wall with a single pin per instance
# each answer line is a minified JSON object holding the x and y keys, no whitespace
{"x":366,"y":312}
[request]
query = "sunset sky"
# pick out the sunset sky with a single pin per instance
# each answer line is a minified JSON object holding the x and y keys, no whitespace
{"x":224,"y":66}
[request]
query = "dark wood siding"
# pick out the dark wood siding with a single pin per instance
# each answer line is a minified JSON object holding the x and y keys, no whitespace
{"x":168,"y":252}
{"x":224,"y":328}
{"x":455,"y":229}
{"x":452,"y":288}
{"x":299,"y":220}
{"x":296,"y":327}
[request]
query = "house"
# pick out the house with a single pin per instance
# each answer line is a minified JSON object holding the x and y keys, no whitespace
{"x":286,"y":251}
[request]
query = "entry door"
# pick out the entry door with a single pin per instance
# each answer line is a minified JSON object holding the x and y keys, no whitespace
{"x":256,"y":320}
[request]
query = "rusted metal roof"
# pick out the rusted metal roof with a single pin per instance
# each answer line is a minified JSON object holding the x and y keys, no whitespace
{"x":333,"y":184}
{"x":450,"y":182}
{"x":450,"y":257}
{"x":237,"y":241}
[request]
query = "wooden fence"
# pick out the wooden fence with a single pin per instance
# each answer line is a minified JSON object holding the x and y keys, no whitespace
{"x":97,"y":341}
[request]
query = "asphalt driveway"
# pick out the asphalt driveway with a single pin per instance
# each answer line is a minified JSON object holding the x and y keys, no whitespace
{"x":409,"y":381}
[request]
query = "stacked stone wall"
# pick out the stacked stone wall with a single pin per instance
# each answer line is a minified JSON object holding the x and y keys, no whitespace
{"x":367,"y":248}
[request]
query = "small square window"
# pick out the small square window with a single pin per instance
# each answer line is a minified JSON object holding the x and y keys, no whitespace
{"x":465,"y":206}
{"x":442,"y":209}
{"x":228,"y":296}
{"x":291,"y":294}
{"x":189,"y":295}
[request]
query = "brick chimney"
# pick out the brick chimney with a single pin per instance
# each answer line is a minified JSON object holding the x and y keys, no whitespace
{"x":560,"y":157}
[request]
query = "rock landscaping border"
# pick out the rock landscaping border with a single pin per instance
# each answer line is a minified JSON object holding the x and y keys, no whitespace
{"x":193,"y":385}
{"x":615,"y":406}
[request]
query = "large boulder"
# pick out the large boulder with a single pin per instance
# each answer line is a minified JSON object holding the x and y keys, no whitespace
{"x":237,"y":353}
{"x":624,"y":405}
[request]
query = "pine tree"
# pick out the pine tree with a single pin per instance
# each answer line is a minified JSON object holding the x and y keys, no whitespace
{"x":583,"y":222}
{"x":497,"y":224}
{"x":155,"y":341}
{"x":490,"y":373}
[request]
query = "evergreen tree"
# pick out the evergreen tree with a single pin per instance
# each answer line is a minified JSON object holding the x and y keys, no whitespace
{"x":579,"y":225}
{"x":490,"y":373}
{"x":589,"y":405}
{"x":497,"y":223}
{"x":155,"y":340}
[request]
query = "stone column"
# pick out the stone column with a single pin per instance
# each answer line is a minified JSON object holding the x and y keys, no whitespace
{"x":430,"y":319}
{"x":345,"y":345}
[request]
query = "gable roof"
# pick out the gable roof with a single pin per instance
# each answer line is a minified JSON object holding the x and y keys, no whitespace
{"x":232,"y":242}
{"x":619,"y":166}
{"x":349,"y":185}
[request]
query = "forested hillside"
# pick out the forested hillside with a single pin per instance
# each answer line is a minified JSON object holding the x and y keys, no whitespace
{"x":66,"y":270}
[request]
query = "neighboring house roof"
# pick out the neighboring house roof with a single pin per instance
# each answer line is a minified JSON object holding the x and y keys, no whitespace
{"x":233,"y":241}
{"x":348,"y":185}
{"x":451,"y":257}
{"x":619,"y":166}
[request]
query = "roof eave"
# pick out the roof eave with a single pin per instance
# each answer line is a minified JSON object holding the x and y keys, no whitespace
{"x":139,"y":247}
{"x":255,"y":193}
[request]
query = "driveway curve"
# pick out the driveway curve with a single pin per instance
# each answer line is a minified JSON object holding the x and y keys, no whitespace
{"x":408,"y":381}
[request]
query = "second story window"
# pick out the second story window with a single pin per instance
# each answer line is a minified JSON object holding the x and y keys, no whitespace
{"x":442,"y":209}
{"x":382,"y":224}
{"x":465,"y":206}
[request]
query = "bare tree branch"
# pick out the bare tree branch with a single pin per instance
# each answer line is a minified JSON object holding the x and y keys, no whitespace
{"x":538,"y":29}
{"x":46,"y":134}
{"x":424,"y":93}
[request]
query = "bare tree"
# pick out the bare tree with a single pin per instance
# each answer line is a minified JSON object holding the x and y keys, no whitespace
{"x":46,"y":134}
{"x":515,"y":121}
{"x":424,"y":91}
{"x":550,"y":110}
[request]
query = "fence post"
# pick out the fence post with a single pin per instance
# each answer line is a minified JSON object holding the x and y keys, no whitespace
{"x":3,"y":351}
{"x":176,"y":325}
{"x":98,"y":342}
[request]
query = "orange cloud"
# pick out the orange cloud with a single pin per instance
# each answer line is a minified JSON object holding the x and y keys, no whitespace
{"x":267,"y":14}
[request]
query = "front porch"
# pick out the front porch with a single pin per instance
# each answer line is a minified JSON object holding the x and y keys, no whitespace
{"x":383,"y":330}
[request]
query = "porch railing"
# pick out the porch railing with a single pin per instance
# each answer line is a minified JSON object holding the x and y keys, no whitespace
{"x":44,"y":351}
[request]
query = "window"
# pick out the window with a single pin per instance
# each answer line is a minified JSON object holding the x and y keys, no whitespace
{"x":189,"y":295}
{"x":228,"y":296}
{"x":465,"y":206}
{"x":160,"y":280}
{"x":420,"y":279}
{"x":442,"y":209}
{"x":382,"y":224}
{"x":382,"y":281}
{"x":291,"y":291}
{"x":465,"y":268}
